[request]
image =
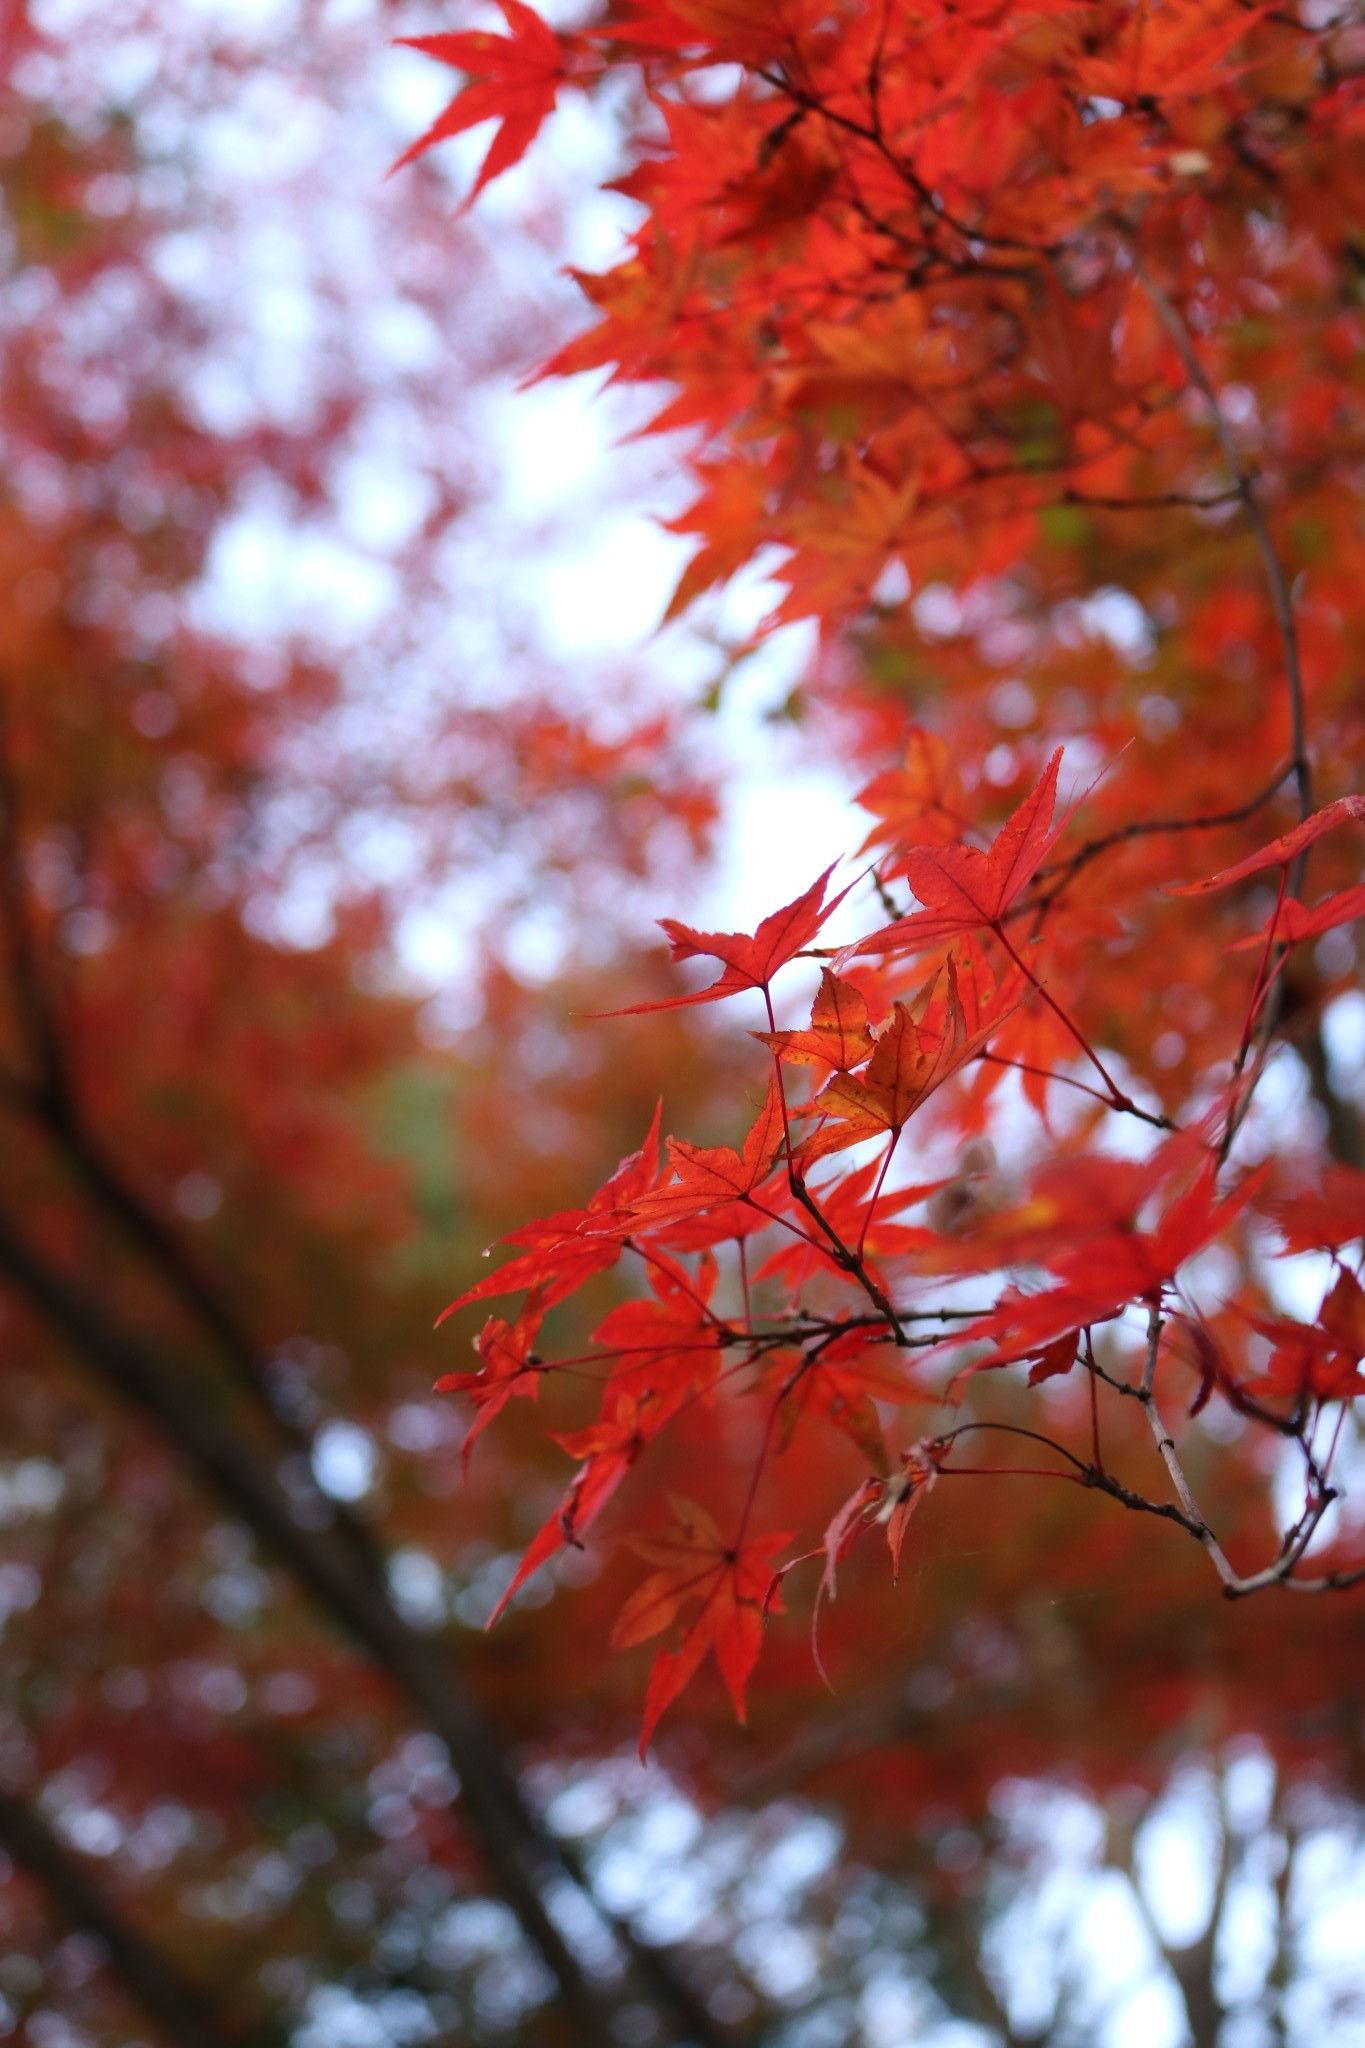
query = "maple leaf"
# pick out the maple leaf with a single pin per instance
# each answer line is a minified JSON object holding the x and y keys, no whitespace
{"x":964,"y":889}
{"x":1055,"y":1359}
{"x":1073,"y":347}
{"x":910,"y":1060}
{"x":844,"y":1205}
{"x":838,"y":1036}
{"x":514,"y":80}
{"x":919,"y":1470}
{"x":749,"y":962}
{"x":731,"y":1222}
{"x":670,"y":1346}
{"x":730,"y":1581}
{"x":566,"y":1249}
{"x":1281,"y":851}
{"x":1048,"y":1358}
{"x":1291,"y":922}
{"x":1342,"y":1314}
{"x":1313,"y":1220}
{"x":1319,"y":1360}
{"x":711,"y":1175}
{"x":1108,"y":1268}
{"x":1168,"y":56}
{"x":888,"y":1502}
{"x":921,"y":804}
{"x":840,"y":1384}
{"x":1075,"y":1201}
{"x":608,"y":1448}
{"x":508,"y":1368}
{"x":841,"y":1532}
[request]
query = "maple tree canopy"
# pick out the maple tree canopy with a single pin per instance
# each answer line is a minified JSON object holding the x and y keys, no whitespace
{"x":902,"y":1365}
{"x":1029,"y":338}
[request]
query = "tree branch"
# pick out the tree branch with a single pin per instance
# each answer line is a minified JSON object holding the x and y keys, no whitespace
{"x":1282,"y":605}
{"x":525,"y":1861}
{"x":1281,"y":601}
{"x":187,"y":2016}
{"x":1345,"y":1130}
{"x":1297,"y":1539}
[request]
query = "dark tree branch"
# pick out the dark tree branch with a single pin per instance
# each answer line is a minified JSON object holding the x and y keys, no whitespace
{"x":1282,"y":605}
{"x":1277,"y":582}
{"x":185,"y":2015}
{"x":344,"y":1569}
{"x":524,"y":1860}
{"x":1345,"y":1131}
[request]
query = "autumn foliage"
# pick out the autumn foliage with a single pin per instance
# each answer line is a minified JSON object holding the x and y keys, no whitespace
{"x":935,"y":1444}
{"x":1029,"y":339}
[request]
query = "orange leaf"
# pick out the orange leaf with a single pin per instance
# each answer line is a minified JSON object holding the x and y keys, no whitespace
{"x":1282,"y":851}
{"x":838,"y":1036}
{"x":731,"y":1581}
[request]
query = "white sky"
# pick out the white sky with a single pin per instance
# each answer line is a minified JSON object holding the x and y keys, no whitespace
{"x":571,"y":520}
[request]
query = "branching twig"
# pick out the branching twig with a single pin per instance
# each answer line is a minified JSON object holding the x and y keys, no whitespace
{"x":1282,"y":604}
{"x":1063,"y":871}
{"x":1296,"y":1540}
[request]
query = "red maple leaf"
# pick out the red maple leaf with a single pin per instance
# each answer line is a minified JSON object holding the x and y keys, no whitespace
{"x":711,"y":1175}
{"x":567,"y":1248}
{"x":1314,"y":1220}
{"x":667,"y":1347}
{"x":749,"y":962}
{"x":1102,"y":1270}
{"x":513,"y":79}
{"x":964,"y":889}
{"x":1281,"y":851}
{"x":507,"y":1367}
{"x":730,"y":1580}
{"x":845,"y":1205}
{"x":1318,"y":1360}
{"x":1292,"y":922}
{"x":841,"y":1383}
{"x":608,"y":1448}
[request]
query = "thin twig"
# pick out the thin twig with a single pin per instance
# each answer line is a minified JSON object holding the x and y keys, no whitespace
{"x":1296,"y":1539}
{"x":1142,"y":828}
{"x":1281,"y":600}
{"x":1282,"y":605}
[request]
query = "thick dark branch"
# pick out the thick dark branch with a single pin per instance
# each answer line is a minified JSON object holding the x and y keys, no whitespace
{"x":345,"y":1568}
{"x":1345,"y":1130}
{"x":525,"y":1862}
{"x":35,"y":1011}
{"x":186,"y":2016}
{"x":49,"y":1097}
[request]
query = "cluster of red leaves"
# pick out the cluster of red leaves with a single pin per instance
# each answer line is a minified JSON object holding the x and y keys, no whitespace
{"x":904,"y":256}
{"x":952,"y":292}
{"x":820,"y":1329}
